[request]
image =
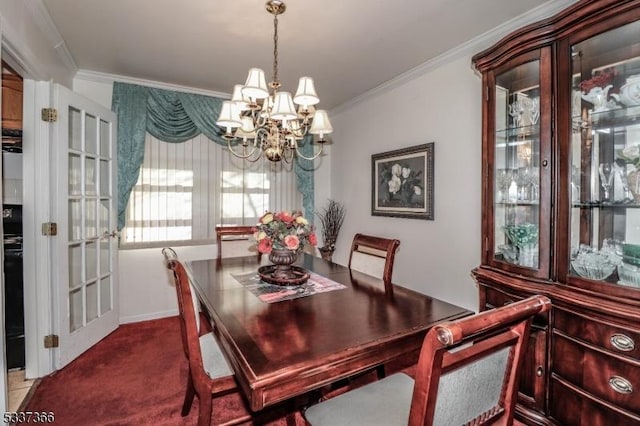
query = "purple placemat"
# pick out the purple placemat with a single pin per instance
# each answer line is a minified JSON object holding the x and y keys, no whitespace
{"x":271,"y":293}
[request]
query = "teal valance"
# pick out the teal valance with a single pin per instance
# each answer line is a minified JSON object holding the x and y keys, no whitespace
{"x":175,"y":117}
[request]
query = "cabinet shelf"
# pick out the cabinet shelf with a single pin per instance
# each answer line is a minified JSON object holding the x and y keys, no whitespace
{"x":616,"y":117}
{"x":600,"y":205}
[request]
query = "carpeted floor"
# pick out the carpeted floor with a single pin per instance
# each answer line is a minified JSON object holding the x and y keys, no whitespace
{"x":135,"y":376}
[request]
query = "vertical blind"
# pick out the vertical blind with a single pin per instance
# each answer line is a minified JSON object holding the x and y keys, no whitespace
{"x":185,"y":189}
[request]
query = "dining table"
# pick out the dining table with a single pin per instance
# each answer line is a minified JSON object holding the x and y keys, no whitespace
{"x":284,"y":342}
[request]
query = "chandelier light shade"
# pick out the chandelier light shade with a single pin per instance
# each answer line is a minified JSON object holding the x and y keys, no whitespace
{"x":261,"y":119}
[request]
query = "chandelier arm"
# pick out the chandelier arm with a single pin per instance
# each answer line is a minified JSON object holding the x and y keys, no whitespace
{"x":316,"y":155}
{"x":243,"y":156}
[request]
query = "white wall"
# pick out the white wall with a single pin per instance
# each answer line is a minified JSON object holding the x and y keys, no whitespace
{"x":441,"y":106}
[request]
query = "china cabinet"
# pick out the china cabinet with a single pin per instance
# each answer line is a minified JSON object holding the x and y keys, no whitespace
{"x":561,"y":207}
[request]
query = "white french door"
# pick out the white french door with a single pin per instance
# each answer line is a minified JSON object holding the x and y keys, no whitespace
{"x":84,"y":251}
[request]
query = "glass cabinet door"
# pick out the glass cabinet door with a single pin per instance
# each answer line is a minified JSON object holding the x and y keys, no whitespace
{"x":605,"y":158}
{"x":516,"y":166}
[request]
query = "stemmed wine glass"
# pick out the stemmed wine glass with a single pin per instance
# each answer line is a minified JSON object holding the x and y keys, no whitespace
{"x":628,"y":198}
{"x":606,"y":178}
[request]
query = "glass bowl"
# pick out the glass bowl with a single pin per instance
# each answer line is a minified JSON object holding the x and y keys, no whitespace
{"x":593,"y":265}
{"x":629,"y":275}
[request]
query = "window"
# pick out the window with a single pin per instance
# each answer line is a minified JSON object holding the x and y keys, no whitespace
{"x":185,"y":189}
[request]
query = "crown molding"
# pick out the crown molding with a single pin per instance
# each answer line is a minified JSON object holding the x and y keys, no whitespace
{"x":106,"y":78}
{"x":44,"y":22}
{"x":470,"y":47}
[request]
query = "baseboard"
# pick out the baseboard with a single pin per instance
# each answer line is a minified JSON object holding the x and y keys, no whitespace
{"x":147,"y":317}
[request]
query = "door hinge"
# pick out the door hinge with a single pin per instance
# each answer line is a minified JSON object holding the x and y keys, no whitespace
{"x":51,"y":341}
{"x":49,"y":229}
{"x":50,"y":115}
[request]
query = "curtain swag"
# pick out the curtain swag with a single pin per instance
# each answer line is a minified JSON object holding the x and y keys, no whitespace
{"x":176,"y":117}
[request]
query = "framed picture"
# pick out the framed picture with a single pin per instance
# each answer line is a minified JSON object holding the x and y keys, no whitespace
{"x":402,"y":183}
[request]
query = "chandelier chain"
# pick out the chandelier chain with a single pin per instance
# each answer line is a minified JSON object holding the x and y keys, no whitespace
{"x":275,"y":51}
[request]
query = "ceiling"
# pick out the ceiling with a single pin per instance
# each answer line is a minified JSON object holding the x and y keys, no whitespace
{"x":347,"y":46}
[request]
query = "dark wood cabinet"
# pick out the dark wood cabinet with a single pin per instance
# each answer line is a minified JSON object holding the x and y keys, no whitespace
{"x":11,"y":101}
{"x":561,"y":207}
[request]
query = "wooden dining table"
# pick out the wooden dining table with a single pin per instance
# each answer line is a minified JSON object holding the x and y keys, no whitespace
{"x":289,"y":348}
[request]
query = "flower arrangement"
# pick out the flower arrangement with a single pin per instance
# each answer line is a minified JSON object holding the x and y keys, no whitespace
{"x":284,"y":231}
{"x":600,"y":79}
{"x":402,"y":182}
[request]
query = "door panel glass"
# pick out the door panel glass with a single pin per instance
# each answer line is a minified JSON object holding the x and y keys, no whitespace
{"x":75,"y":170}
{"x":75,"y":309}
{"x":91,"y":177}
{"x":104,"y":217}
{"x":104,"y":139}
{"x":75,"y":220}
{"x":91,"y":261}
{"x":605,"y":158}
{"x":75,"y":265}
{"x":517,"y":166}
{"x":105,"y":255}
{"x":91,"y":218}
{"x":92,"y":301}
{"x":105,"y":294}
{"x":104,"y":178}
{"x":91,"y":137}
{"x":75,"y":126}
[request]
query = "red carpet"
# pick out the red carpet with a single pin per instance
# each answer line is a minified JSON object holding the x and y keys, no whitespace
{"x":135,"y":376}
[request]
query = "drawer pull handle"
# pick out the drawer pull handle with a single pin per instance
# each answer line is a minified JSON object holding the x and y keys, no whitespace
{"x":620,"y":385}
{"x":507,"y":302}
{"x":622,"y":342}
{"x":539,"y":371}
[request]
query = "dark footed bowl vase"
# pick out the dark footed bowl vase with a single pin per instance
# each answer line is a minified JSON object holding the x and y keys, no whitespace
{"x":283,"y":272}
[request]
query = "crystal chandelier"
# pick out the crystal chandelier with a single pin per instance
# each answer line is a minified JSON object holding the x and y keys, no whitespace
{"x":259,"y":120}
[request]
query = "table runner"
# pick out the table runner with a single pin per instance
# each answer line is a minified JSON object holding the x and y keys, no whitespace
{"x":271,"y":293}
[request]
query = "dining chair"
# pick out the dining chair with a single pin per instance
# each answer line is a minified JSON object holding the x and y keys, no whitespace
{"x":237,"y":241}
{"x":374,"y":256}
{"x":467,"y":374}
{"x":209,"y":374}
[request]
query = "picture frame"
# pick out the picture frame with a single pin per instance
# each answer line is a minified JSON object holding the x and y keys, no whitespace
{"x":402,"y":182}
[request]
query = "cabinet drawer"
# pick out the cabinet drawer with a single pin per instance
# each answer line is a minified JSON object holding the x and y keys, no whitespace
{"x":621,"y":340}
{"x":604,"y":376}
{"x":571,"y":407}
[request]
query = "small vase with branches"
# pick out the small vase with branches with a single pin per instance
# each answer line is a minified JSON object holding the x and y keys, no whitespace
{"x":331,"y":217}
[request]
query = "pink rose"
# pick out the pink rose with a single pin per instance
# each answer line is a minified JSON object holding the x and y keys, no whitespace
{"x":265,"y":245}
{"x":285,"y":217}
{"x":292,"y":242}
{"x":313,"y":240}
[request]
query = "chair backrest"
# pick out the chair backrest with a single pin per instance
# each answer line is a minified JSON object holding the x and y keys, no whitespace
{"x":373,"y":256}
{"x":170,"y":255}
{"x":188,"y":304}
{"x":237,"y":241}
{"x":468,"y":369}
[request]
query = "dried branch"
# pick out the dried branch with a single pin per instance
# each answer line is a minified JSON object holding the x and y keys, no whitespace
{"x":331,"y":218}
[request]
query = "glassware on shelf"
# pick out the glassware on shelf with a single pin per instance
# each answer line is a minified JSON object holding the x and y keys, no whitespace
{"x":606,"y":179}
{"x":593,"y":264}
{"x":516,"y":109}
{"x":575,"y":184}
{"x":627,"y":196}
{"x":503,"y":179}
